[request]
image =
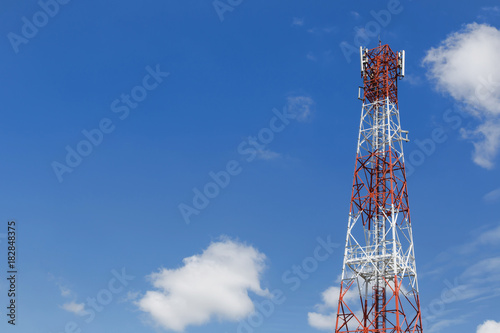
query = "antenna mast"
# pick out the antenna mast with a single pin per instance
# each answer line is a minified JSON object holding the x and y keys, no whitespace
{"x":379,"y":289}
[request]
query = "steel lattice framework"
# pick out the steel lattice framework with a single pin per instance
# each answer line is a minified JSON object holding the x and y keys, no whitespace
{"x":379,"y":289}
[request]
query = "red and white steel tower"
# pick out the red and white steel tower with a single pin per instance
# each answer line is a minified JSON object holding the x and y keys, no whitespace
{"x":379,"y":289}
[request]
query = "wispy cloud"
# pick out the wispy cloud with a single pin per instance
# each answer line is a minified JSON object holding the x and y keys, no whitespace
{"x":297,"y":21}
{"x":301,"y":106}
{"x":311,"y":56}
{"x":266,"y":154}
{"x":66,"y":292}
{"x":485,"y":238}
{"x":263,"y":153}
{"x":476,"y":277}
{"x":465,"y":66}
{"x":63,"y":288}
{"x":458,"y":255}
{"x":414,"y":80}
{"x":492,"y":9}
{"x":490,"y":237}
{"x":487,"y":14}
{"x":480,"y":281}
{"x":130,"y":296}
{"x":493,"y":196}
{"x":74,"y":307}
{"x":330,"y":30}
{"x":487,"y":270}
{"x":323,"y":30}
{"x":214,"y":284}
{"x":442,"y":324}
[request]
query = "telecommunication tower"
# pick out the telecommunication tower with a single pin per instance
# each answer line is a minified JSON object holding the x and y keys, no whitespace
{"x":379,"y":288}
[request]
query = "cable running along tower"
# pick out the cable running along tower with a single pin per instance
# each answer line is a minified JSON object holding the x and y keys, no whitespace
{"x":379,"y":289}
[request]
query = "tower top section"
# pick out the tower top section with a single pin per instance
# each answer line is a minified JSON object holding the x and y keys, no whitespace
{"x":380,"y":69}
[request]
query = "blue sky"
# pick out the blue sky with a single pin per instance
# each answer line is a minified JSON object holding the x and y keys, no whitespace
{"x":207,"y":82}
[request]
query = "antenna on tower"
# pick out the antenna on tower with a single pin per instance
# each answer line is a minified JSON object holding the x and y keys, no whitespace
{"x":362,"y":58}
{"x":401,"y":63}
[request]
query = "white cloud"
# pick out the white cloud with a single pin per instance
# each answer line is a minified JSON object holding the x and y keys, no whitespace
{"x":214,"y":284}
{"x":322,"y":321}
{"x":486,"y":141}
{"x":492,"y":196}
{"x":489,"y":326}
{"x":324,"y":318}
{"x":300,"y":106}
{"x":74,"y":307}
{"x":465,"y":66}
{"x":298,"y":21}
